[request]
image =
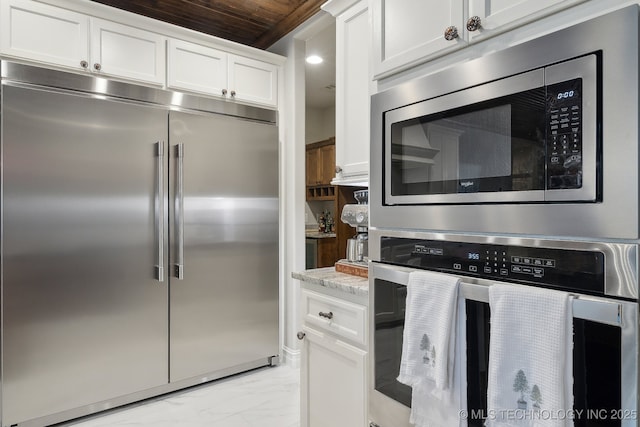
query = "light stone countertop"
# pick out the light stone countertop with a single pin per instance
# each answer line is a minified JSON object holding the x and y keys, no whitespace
{"x":330,"y":278}
{"x":319,"y":235}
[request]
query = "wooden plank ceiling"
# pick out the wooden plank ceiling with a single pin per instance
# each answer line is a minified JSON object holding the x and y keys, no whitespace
{"x":257,"y":23}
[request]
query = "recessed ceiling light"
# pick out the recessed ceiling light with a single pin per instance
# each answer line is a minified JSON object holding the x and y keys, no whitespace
{"x":314,"y":59}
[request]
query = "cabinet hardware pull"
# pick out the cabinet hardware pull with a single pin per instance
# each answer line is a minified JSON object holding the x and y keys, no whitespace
{"x":328,"y":315}
{"x":338,"y":169}
{"x":301,"y":335}
{"x":233,"y":93}
{"x":84,"y":64}
{"x":224,"y":92}
{"x":97,"y":66}
{"x":474,"y":23}
{"x":451,"y":33}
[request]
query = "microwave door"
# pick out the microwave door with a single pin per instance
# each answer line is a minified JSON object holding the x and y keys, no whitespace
{"x":469,"y":146}
{"x":574,"y":140}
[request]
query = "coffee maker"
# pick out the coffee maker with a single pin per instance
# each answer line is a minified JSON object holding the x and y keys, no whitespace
{"x":357,"y":216}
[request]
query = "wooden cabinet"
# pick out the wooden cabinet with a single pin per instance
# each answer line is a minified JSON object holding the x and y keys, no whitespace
{"x":211,"y":71}
{"x":353,"y":89}
{"x":327,"y":252}
{"x":333,"y":369}
{"x":57,"y":36}
{"x":321,"y":252}
{"x":320,"y":158}
{"x":409,"y":32}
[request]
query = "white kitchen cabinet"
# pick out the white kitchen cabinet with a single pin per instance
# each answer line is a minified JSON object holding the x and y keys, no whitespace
{"x":123,"y":51}
{"x":332,"y":378}
{"x":333,"y":367}
{"x":253,"y":81}
{"x":500,"y":15}
{"x":410,"y":32}
{"x":407,"y":32}
{"x":202,"y":69}
{"x":57,"y":36}
{"x":44,"y":33}
{"x":196,"y":68}
{"x":353,"y":90}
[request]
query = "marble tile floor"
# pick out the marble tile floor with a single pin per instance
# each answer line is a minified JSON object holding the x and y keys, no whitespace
{"x":267,"y":397}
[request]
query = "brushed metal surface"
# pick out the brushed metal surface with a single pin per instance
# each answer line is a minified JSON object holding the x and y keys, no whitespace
{"x":98,"y":85}
{"x":621,"y":259}
{"x":388,"y":412}
{"x":84,"y":319}
{"x":225,"y":310}
{"x":86,"y":214}
{"x":615,"y":217}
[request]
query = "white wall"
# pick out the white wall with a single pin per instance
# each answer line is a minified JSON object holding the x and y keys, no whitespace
{"x":292,"y":136}
{"x":320,"y":124}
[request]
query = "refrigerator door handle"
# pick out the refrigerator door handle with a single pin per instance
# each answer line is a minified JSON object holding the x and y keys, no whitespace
{"x":179,"y":213}
{"x":160,"y":211}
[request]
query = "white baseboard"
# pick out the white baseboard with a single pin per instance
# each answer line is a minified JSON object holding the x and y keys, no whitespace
{"x":291,"y":357}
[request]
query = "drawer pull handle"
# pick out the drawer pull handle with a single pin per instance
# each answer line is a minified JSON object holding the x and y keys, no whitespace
{"x":301,"y":335}
{"x":328,"y":315}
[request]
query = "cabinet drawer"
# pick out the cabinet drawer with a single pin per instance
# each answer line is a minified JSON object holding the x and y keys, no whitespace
{"x":342,"y":318}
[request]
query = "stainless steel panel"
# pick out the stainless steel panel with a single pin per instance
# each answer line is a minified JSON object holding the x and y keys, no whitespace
{"x":586,"y":69}
{"x":615,"y":217}
{"x":385,"y":411}
{"x":520,"y":83}
{"x":621,"y":259}
{"x":99,"y":85}
{"x":225,"y":310}
{"x":84,"y":319}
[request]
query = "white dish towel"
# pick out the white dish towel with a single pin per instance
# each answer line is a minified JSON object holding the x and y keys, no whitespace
{"x":530,"y":357}
{"x":429,"y":349}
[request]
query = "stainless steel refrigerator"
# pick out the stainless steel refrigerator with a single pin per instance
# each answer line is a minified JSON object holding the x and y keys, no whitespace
{"x":139,"y":242}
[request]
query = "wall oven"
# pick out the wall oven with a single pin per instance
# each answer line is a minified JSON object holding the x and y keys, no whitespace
{"x":601,"y":276}
{"x":528,"y":137}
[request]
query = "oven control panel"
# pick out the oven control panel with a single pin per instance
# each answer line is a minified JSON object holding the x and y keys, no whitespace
{"x":571,"y":270}
{"x":564,"y":131}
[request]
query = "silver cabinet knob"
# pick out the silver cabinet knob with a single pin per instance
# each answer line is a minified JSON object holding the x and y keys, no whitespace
{"x":474,"y":23}
{"x":97,"y":67}
{"x":328,"y":315}
{"x":84,"y":64}
{"x":338,"y":169}
{"x":451,"y":33}
{"x":301,"y":335}
{"x":224,"y":92}
{"x":233,"y":93}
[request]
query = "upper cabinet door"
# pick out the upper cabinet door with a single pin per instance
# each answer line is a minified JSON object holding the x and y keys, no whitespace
{"x":253,"y":81}
{"x":197,"y":68}
{"x":405,"y":32}
{"x":353,"y":80}
{"x":43,"y":33}
{"x":128,"y":52}
{"x":501,"y":15}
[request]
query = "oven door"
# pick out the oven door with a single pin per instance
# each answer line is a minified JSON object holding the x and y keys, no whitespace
{"x":605,"y":353}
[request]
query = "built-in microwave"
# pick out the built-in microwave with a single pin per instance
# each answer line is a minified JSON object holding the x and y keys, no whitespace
{"x":531,"y":137}
{"x":539,"y":138}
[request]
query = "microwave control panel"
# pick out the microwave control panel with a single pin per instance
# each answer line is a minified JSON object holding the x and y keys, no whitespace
{"x":564,"y":135}
{"x":566,"y":269}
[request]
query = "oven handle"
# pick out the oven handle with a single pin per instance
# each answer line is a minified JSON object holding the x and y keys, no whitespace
{"x":584,"y":307}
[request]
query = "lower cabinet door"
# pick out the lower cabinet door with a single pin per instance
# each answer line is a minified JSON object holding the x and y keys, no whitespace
{"x":332,"y":381}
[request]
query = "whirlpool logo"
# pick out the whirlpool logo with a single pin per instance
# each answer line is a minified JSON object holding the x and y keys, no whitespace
{"x":467,"y":184}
